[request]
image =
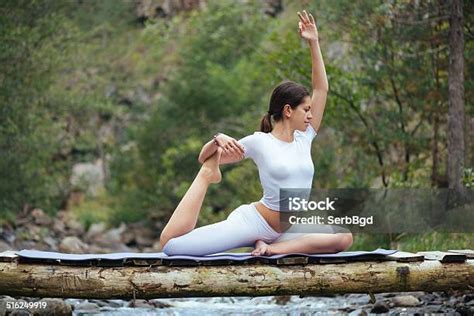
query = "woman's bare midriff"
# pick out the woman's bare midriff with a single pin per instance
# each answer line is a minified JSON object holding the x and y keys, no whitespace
{"x":272,"y":217}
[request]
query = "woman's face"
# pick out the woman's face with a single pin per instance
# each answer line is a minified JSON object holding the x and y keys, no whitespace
{"x":301,"y":115}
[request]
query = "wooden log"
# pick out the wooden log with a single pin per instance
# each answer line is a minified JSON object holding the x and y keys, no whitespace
{"x":35,"y":280}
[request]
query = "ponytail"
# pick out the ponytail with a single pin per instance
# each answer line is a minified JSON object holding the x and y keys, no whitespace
{"x":266,"y":123}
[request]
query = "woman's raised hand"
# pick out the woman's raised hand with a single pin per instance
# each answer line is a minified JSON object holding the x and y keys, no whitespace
{"x":307,"y":27}
{"x":230,"y":146}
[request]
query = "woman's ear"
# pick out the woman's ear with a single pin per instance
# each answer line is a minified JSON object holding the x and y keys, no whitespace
{"x":287,"y":110}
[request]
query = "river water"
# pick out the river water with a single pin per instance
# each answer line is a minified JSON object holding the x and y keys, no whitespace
{"x":349,"y":304}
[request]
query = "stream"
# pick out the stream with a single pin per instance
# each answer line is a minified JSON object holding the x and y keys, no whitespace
{"x":413,"y":303}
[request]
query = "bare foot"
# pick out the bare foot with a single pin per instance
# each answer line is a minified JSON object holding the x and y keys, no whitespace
{"x":261,"y":249}
{"x":210,"y":168}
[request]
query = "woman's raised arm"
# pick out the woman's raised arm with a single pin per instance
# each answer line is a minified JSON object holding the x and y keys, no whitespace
{"x":309,"y":32}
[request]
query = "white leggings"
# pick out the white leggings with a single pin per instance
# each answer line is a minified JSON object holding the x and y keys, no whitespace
{"x":242,"y":228}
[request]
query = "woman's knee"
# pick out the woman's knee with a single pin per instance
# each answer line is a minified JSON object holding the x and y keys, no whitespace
{"x":174,"y":247}
{"x":164,"y":238}
{"x":344,"y":241}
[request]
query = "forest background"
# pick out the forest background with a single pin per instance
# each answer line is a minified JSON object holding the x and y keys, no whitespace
{"x":105,"y":105}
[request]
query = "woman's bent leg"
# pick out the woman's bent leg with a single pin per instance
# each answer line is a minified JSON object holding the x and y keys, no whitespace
{"x":240,"y":229}
{"x":325,"y":241}
{"x":313,"y":243}
{"x":185,"y":216}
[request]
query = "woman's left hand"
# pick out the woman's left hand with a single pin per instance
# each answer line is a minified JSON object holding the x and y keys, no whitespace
{"x":307,"y":27}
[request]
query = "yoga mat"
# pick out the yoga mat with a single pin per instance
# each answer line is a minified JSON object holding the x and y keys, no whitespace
{"x":35,"y":254}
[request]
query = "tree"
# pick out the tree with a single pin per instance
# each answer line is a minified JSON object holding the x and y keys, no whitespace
{"x":456,"y":97}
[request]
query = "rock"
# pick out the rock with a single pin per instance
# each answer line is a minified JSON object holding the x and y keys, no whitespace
{"x":74,"y":226}
{"x":145,"y":236}
{"x":358,"y":312}
{"x":428,"y":297}
{"x":431,"y":309}
{"x":54,"y":306}
{"x":282,"y":299}
{"x":40,"y":217}
{"x":88,"y":177}
{"x":42,"y":246}
{"x":51,"y":242}
{"x":141,"y":236}
{"x":4,"y":246}
{"x":465,"y":310}
{"x":59,"y":227}
{"x":159,"y":304}
{"x":405,"y":301}
{"x":122,"y":248}
{"x":96,"y":249}
{"x":416,"y":294}
{"x":140,"y":304}
{"x":112,"y":238}
{"x":468,"y":298}
{"x":149,"y":9}
{"x":143,"y":241}
{"x":346,"y":309}
{"x":432,"y":298}
{"x":29,"y":232}
{"x":95,"y":230}
{"x":116,"y":303}
{"x":3,"y":306}
{"x":70,"y":225}
{"x":86,"y":307}
{"x":452,"y":301}
{"x":24,"y":244}
{"x":115,"y":248}
{"x":128,"y":238}
{"x":379,"y":308}
{"x":100,"y":303}
{"x":156,"y":246}
{"x":7,"y":234}
{"x":73,"y":244}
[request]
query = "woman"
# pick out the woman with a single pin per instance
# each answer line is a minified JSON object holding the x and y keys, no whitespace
{"x":283,"y":156}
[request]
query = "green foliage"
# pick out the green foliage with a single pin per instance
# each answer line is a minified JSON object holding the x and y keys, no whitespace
{"x":378,"y":83}
{"x":468,"y":178}
{"x":32,"y":49}
{"x":364,"y":241}
{"x":215,"y":83}
{"x":94,"y":210}
{"x":434,"y":241}
{"x":214,"y":80}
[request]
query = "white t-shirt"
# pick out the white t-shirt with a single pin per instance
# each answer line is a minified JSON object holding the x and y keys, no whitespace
{"x":281,"y":164}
